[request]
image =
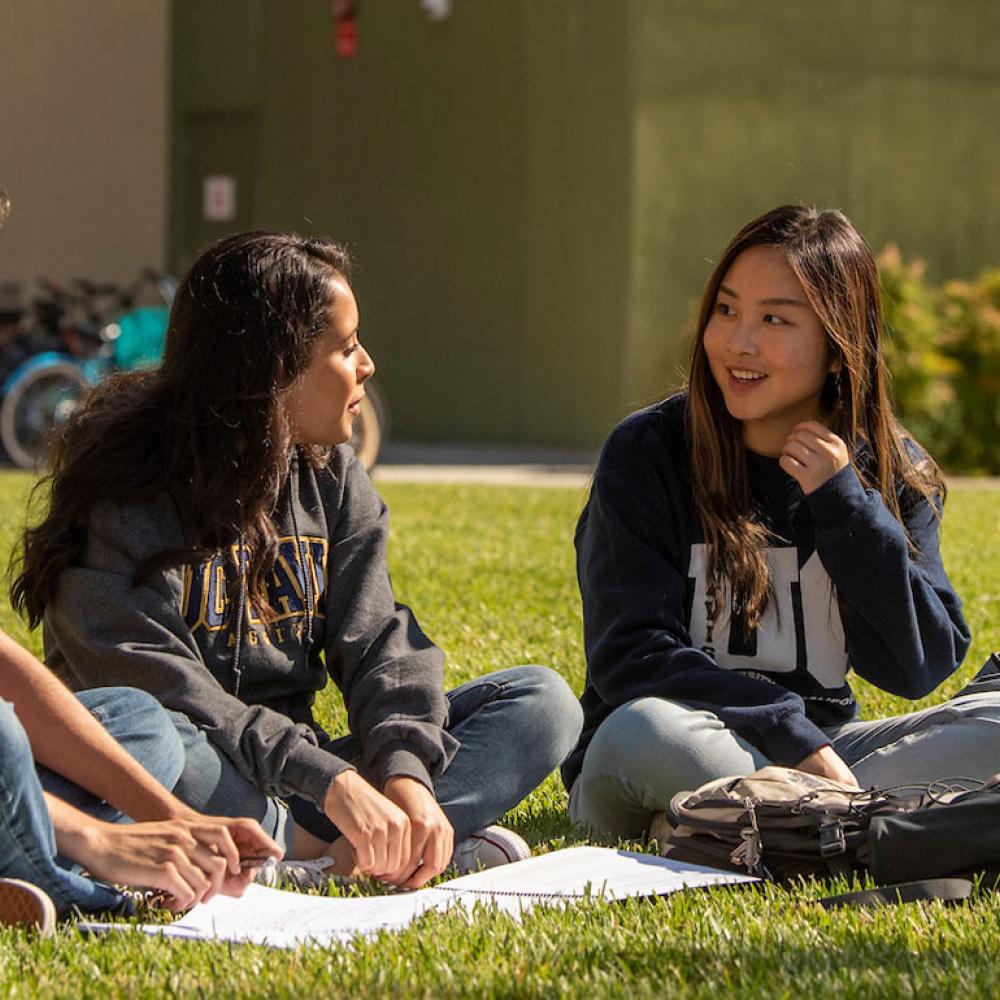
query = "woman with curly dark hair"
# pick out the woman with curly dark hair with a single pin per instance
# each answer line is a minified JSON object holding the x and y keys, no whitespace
{"x":212,"y":539}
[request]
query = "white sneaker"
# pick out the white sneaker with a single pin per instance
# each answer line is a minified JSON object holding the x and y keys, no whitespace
{"x":489,"y":848}
{"x":311,"y":874}
{"x":25,"y":905}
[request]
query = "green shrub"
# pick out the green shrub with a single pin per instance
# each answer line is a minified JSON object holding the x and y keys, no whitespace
{"x":944,"y":355}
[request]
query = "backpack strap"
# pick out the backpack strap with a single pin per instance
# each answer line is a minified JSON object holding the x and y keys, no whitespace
{"x":838,"y":847}
{"x":946,"y":890}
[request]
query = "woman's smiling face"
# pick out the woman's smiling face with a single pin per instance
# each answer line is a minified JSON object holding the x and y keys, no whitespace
{"x":766,"y":348}
{"x":324,"y":401}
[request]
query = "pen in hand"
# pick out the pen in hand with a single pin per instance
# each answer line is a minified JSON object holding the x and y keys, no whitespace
{"x":250,"y":861}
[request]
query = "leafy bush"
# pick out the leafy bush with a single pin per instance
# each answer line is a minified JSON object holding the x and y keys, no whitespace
{"x":944,"y":355}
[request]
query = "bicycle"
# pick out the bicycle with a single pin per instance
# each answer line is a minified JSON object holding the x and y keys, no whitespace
{"x":371,"y":426}
{"x":71,"y":345}
{"x":45,"y":389}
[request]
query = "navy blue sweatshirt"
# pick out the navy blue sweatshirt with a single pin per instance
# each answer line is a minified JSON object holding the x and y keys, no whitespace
{"x":848,"y":593}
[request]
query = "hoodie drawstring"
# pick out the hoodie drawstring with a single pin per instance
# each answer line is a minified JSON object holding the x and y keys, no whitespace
{"x":240,"y":615}
{"x":306,"y":575}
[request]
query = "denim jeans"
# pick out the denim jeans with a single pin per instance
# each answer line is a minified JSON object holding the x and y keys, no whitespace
{"x":514,"y":727}
{"x":650,"y":749}
{"x":27,"y":841}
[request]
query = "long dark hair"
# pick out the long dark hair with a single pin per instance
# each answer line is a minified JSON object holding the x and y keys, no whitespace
{"x":839,"y":277}
{"x":207,"y":427}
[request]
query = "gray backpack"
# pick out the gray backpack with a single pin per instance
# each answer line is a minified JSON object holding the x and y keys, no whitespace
{"x":779,"y":824}
{"x":917,"y":842}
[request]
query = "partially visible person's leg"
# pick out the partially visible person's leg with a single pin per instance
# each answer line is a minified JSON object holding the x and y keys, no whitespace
{"x":514,"y":727}
{"x":210,"y":783}
{"x":958,"y":739}
{"x":140,"y":724}
{"x":643,"y":754}
{"x":987,"y":678}
{"x":27,"y":842}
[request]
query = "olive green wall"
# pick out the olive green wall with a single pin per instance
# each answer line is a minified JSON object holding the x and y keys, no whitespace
{"x":533,"y":190}
{"x":477,"y":168}
{"x":884,"y":109}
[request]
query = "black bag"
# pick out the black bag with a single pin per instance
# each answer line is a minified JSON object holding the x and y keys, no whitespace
{"x":960,"y":837}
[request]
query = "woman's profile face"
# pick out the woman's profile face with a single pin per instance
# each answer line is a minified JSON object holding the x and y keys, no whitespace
{"x":766,"y":348}
{"x":324,"y":401}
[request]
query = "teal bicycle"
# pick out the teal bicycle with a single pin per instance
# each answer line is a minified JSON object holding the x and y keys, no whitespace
{"x":45,"y":389}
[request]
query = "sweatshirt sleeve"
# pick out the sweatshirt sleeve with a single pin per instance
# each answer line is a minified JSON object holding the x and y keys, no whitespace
{"x":390,"y":673}
{"x":902,"y":618}
{"x":634,"y":607}
{"x":103,"y":629}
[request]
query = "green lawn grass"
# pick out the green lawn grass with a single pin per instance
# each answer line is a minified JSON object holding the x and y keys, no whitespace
{"x":490,"y":573}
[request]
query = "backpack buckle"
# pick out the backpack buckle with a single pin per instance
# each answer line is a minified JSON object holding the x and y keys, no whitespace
{"x":749,"y":853}
{"x":832,"y":839}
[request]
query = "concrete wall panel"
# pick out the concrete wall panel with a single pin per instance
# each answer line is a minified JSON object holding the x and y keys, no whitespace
{"x":83,"y":137}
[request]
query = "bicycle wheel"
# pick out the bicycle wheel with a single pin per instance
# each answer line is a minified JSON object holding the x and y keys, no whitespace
{"x":34,"y":406}
{"x":366,"y":439}
{"x":377,"y":395}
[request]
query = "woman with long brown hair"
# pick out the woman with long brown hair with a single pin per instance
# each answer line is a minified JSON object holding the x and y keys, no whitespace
{"x":752,"y":539}
{"x":211,"y":539}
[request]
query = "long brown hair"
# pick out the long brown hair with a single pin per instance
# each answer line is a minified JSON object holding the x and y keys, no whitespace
{"x":208,"y":427}
{"x":840,"y":280}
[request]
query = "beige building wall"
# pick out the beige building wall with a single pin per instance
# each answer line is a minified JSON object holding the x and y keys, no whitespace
{"x":83,"y":137}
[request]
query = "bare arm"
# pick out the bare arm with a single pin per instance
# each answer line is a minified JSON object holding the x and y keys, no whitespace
{"x":191,"y":859}
{"x":67,"y":739}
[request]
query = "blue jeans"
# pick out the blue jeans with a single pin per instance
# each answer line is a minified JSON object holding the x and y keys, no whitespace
{"x":649,"y":749}
{"x":27,"y":842}
{"x":514,"y":728}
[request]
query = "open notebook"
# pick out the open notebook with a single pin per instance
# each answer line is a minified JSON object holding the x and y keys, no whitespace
{"x":287,"y":919}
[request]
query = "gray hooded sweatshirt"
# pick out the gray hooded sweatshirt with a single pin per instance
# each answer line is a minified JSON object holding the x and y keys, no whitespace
{"x":173,"y":633}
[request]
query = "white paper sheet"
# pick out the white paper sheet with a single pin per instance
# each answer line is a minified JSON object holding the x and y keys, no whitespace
{"x":286,"y":919}
{"x":580,"y":872}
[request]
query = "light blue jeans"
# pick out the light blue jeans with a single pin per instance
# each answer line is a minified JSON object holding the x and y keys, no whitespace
{"x":27,"y":842}
{"x":514,"y":728}
{"x":648,"y":750}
